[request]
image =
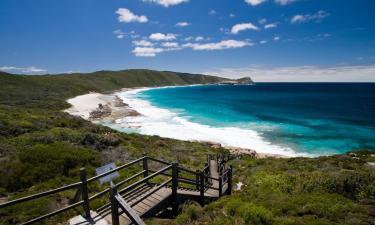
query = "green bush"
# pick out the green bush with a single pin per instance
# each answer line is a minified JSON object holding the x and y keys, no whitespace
{"x":249,"y":212}
{"x":43,"y":162}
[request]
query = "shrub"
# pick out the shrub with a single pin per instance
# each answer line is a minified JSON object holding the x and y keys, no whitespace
{"x":249,"y":212}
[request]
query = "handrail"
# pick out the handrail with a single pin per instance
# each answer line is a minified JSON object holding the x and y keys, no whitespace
{"x":53,"y":213}
{"x":159,"y":161}
{"x":133,"y":216}
{"x":39,"y":195}
{"x":209,"y":177}
{"x":116,"y":169}
{"x":224,"y":173}
{"x":157,"y":188}
{"x":144,"y":179}
{"x":187,"y":181}
{"x":118,"y":184}
{"x":187,"y":170}
{"x":165,"y":174}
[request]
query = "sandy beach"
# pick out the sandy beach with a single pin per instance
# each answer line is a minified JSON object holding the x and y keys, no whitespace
{"x":83,"y":105}
{"x":98,"y":107}
{"x":110,"y":109}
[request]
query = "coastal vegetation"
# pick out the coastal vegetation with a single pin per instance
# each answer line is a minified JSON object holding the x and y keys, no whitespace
{"x":41,"y":147}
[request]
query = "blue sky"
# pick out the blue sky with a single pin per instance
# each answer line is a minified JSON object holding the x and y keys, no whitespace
{"x":271,"y":40}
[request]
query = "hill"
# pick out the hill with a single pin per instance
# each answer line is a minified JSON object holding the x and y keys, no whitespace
{"x":31,"y":90}
{"x":41,"y":147}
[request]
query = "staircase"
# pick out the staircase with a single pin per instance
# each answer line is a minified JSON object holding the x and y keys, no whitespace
{"x":139,"y":196}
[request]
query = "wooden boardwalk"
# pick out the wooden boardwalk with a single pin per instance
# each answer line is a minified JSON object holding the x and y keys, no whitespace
{"x":157,"y":200}
{"x":142,"y":197}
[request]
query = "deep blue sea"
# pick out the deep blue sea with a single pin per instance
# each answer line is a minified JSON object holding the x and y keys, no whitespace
{"x":302,"y":118}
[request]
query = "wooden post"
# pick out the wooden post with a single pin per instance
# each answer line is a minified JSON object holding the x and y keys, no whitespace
{"x":174,"y":188}
{"x":220,"y":185}
{"x":114,"y":205}
{"x":85,"y":196}
{"x":201,"y":174}
{"x":206,"y":172}
{"x":197,"y":179}
{"x":217,"y":163}
{"x":145,"y":166}
{"x":230,"y":180}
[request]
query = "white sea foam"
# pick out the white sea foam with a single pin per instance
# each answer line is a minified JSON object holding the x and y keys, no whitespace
{"x":165,"y":123}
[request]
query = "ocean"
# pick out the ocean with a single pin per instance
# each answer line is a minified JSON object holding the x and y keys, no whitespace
{"x":293,"y":119}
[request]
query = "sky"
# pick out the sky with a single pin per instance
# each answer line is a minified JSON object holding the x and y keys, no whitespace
{"x":269,"y":40}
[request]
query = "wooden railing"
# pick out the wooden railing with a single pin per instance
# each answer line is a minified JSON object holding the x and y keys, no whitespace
{"x":201,"y":181}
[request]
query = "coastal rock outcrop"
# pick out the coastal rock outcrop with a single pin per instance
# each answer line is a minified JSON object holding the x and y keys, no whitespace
{"x":100,"y":112}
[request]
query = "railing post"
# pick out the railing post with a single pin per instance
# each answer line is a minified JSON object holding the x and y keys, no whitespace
{"x":174,"y":188}
{"x":220,"y":185}
{"x":201,"y":174}
{"x":145,"y":166}
{"x":85,"y":195}
{"x":114,"y":205}
{"x":197,"y":179}
{"x":218,"y":163}
{"x":206,"y":172}
{"x":230,"y":180}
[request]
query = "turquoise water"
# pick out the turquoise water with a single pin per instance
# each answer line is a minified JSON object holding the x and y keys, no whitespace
{"x":314,"y":118}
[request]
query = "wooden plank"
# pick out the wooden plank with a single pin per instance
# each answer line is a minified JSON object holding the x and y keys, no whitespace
{"x":129,"y":211}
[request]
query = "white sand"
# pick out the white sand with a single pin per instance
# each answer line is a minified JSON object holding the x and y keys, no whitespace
{"x":82,"y":105}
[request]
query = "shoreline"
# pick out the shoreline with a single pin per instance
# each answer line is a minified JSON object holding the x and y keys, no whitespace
{"x":109,"y":109}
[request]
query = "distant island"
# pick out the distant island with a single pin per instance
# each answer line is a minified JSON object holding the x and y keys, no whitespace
{"x":240,"y":81}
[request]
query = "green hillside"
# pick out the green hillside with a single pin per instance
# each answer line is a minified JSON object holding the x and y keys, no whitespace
{"x":41,"y":147}
{"x":34,"y":90}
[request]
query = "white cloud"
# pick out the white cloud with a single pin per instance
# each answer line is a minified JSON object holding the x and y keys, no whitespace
{"x":212,"y":12}
{"x":200,"y":38}
{"x":263,"y":41}
{"x":285,"y":2}
{"x":146,"y":51}
{"x":362,"y":73}
{"x":232,"y":15}
{"x":182,"y":24}
{"x":276,"y":38}
{"x":317,"y":17}
{"x":162,"y":37}
{"x":243,"y":26}
{"x":255,"y":2}
{"x":167,"y":3}
{"x":30,"y":69}
{"x":143,"y":49}
{"x":126,"y":16}
{"x":189,"y":38}
{"x":143,"y":43}
{"x":119,"y":34}
{"x":170,"y":44}
{"x":269,"y":26}
{"x":197,"y":38}
{"x":226,"y":44}
{"x":262,"y":21}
